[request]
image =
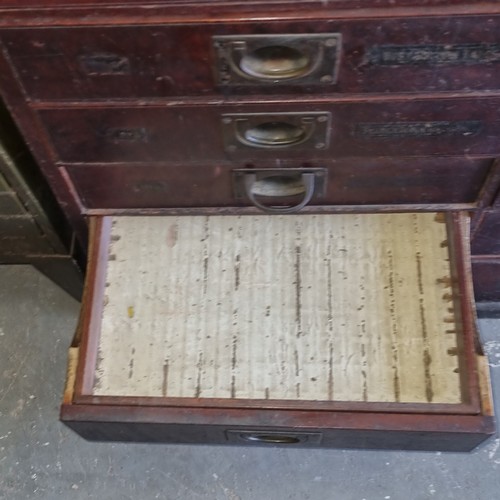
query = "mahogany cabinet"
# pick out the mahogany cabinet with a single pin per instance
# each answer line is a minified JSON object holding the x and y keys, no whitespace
{"x":282,"y":110}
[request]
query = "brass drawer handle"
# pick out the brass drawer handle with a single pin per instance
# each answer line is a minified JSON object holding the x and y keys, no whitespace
{"x":274,"y":134}
{"x":274,"y":437}
{"x":271,"y":438}
{"x":276,"y":62}
{"x":270,"y":59}
{"x":280,"y":186}
{"x":273,"y":131}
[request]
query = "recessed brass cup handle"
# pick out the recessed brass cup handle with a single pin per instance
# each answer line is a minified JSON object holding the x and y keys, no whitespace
{"x":277,"y":186}
{"x":274,"y":134}
{"x":277,"y":59}
{"x":278,"y":62}
{"x":270,"y":438}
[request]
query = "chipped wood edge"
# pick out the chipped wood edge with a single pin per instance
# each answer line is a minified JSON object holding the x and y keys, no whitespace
{"x":312,"y":209}
{"x":87,"y":289}
{"x":72,"y":365}
{"x":485,"y":390}
{"x":74,"y":349}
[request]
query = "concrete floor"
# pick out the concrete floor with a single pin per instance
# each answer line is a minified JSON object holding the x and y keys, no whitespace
{"x":42,"y":459}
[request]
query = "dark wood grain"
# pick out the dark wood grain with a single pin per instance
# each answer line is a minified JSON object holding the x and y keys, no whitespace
{"x":195,"y":133}
{"x":369,"y":181}
{"x":458,"y":226}
{"x":337,"y":429}
{"x":146,"y":136}
{"x":88,"y":12}
{"x":35,"y":138}
{"x":179,"y":59}
{"x":93,"y":293}
{"x":409,"y":426}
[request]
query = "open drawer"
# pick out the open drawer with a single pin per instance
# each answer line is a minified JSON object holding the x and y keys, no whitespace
{"x":307,"y":330}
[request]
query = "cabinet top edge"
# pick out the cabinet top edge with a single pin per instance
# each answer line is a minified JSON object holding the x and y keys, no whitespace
{"x":46,"y":9}
{"x":29,"y":4}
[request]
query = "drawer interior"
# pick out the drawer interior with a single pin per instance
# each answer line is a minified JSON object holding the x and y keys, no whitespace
{"x":319,"y":308}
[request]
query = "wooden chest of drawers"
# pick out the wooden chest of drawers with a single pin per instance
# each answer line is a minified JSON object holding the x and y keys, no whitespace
{"x":183,"y":108}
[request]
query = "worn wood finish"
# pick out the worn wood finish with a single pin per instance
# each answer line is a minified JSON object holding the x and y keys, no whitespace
{"x":163,"y":416}
{"x":187,"y":133}
{"x":166,"y":418}
{"x":360,"y":181}
{"x":90,"y":13}
{"x":336,"y":430}
{"x":93,"y":292}
{"x":36,"y":140}
{"x":32,"y":229}
{"x":51,"y":62}
{"x":486,"y":246}
{"x":87,"y":28}
{"x":128,"y":151}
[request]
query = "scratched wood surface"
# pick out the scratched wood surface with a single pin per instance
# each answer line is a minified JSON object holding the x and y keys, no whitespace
{"x":308,"y":307}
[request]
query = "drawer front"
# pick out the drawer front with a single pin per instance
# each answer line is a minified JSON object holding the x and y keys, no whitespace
{"x":277,"y":131}
{"x":250,"y":320}
{"x":416,"y":181}
{"x":383,"y":55}
{"x":433,"y":434}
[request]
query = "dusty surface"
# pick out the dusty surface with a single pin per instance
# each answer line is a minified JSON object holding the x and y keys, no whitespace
{"x":330,"y":307}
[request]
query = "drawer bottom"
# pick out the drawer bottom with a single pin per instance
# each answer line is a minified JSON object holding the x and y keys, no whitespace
{"x":308,"y":330}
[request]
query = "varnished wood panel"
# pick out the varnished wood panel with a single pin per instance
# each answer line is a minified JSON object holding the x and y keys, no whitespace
{"x":155,"y":61}
{"x":336,"y":429}
{"x":185,"y":133}
{"x":360,"y":181}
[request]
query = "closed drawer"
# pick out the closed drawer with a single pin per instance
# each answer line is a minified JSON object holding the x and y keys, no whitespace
{"x":313,"y":330}
{"x":184,"y":133}
{"x":417,"y":181}
{"x":485,"y":239}
{"x":367,"y":56}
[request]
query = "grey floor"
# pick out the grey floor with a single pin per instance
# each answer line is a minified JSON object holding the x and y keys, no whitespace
{"x":40,"y":458}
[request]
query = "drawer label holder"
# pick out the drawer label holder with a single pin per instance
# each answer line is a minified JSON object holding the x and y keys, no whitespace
{"x":104,"y":64}
{"x":433,"y":55}
{"x":385,"y":130}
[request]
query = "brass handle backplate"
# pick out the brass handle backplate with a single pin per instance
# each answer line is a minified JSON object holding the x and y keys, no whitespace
{"x":277,"y":59}
{"x":272,"y":131}
{"x":264,"y":188}
{"x":274,"y":437}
